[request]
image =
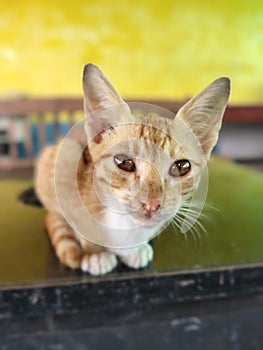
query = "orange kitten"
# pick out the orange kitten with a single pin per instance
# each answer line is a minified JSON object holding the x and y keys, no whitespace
{"x":131,"y":175}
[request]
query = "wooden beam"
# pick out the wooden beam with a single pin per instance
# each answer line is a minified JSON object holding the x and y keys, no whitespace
{"x":11,"y":107}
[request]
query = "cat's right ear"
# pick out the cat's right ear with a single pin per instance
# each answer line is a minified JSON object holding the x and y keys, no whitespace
{"x":103,"y":106}
{"x":204,"y":112}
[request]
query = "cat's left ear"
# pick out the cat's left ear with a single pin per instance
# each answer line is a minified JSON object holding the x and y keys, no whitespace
{"x":204,"y":113}
{"x":103,"y":106}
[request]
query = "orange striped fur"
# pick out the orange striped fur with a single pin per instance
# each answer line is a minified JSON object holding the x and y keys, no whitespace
{"x":150,"y":189}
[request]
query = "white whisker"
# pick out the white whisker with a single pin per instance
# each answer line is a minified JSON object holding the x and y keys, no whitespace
{"x":191,"y":218}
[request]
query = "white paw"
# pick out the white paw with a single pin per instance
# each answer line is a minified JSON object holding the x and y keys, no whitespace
{"x":98,"y":264}
{"x":139,"y":257}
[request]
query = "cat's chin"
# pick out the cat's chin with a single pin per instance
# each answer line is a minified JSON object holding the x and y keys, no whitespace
{"x":142,"y":219}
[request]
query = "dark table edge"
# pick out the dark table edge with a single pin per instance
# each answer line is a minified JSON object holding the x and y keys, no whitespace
{"x":129,"y":290}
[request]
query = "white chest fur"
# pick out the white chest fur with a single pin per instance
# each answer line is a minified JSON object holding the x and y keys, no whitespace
{"x":122,"y":232}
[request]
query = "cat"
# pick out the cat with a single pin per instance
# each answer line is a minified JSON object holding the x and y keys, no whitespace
{"x":133,"y":172}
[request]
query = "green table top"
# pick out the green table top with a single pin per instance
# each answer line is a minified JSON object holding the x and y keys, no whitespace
{"x":234,"y":231}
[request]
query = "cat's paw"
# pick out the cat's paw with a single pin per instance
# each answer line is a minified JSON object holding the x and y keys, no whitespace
{"x":99,"y":264}
{"x":139,"y":257}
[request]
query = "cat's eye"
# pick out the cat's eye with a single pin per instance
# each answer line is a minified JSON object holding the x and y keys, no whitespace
{"x":124,"y":163}
{"x":180,"y":168}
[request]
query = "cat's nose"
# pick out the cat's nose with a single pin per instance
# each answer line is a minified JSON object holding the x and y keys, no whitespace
{"x":151,"y":205}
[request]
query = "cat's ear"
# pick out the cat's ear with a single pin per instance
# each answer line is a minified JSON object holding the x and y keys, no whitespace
{"x":204,"y":112}
{"x":103,"y":106}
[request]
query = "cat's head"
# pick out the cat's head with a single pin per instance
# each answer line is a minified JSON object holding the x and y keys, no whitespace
{"x":147,"y":165}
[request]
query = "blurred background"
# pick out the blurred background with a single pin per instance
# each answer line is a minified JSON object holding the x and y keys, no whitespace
{"x":149,"y":50}
{"x":167,"y":49}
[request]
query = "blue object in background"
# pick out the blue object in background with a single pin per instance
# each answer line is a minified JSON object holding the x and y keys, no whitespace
{"x":34,"y":138}
{"x":20,"y":148}
{"x":49,"y":133}
{"x":64,"y":128}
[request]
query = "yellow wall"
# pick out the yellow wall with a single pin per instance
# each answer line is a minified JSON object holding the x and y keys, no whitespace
{"x":148,"y":48}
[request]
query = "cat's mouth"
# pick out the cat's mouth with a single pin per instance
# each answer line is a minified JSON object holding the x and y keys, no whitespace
{"x":145,"y":219}
{"x":139,"y":215}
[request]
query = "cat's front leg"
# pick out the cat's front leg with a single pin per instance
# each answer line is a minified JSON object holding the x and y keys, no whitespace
{"x":77,"y":254}
{"x":137,"y":257}
{"x":99,"y":263}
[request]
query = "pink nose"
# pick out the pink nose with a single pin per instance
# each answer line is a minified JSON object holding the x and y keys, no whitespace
{"x":151,"y":205}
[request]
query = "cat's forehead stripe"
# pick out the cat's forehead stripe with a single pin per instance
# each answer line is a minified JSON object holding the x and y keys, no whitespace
{"x":159,"y":137}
